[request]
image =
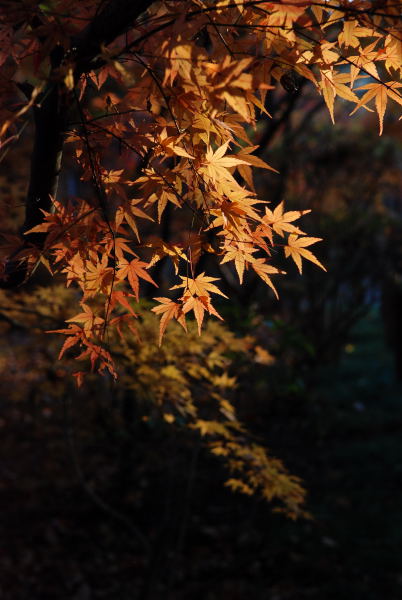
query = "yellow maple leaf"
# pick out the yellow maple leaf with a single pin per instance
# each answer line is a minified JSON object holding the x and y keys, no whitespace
{"x":380,"y":91}
{"x":199,"y":304}
{"x":333,"y":84}
{"x":296,"y":249}
{"x":168,"y":309}
{"x":253,"y":160}
{"x":161,"y":249}
{"x":200,"y":286}
{"x":216,"y":165}
{"x":241,"y":254}
{"x":282,"y":221}
{"x":264,"y":271}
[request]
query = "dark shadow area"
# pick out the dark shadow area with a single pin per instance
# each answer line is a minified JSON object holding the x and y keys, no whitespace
{"x":203,"y":541}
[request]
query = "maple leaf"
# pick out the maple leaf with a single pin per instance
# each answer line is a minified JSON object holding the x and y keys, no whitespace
{"x":75,"y":334}
{"x":128,"y":212}
{"x":281,"y":222}
{"x":133,"y":271}
{"x":234,"y":213}
{"x":87,"y":318}
{"x":169,"y":145}
{"x":199,"y":304}
{"x":96,"y":354}
{"x":296,"y":249}
{"x":264,"y":271}
{"x":169,"y":310}
{"x":200,"y":286}
{"x":380,"y":91}
{"x":217,"y":165}
{"x":253,"y":160}
{"x":162,"y":249}
{"x":365,"y":60}
{"x":118,"y":246}
{"x":79,"y":377}
{"x":333,"y":84}
{"x":241,"y":254}
{"x":160,"y":189}
{"x":262,"y":356}
{"x":347,"y":37}
{"x":121,"y":298}
{"x":120,"y":320}
{"x":211,"y":428}
{"x":97,"y":277}
{"x":393,"y":53}
{"x":239,"y":486}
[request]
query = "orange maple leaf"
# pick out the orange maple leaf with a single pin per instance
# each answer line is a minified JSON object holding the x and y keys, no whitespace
{"x":380,"y":91}
{"x":199,"y":304}
{"x":169,"y":310}
{"x":264,"y":271}
{"x":134,"y":270}
{"x":200,"y":286}
{"x":241,"y":254}
{"x":281,"y":222}
{"x":217,"y":165}
{"x":87,"y":318}
{"x":296,"y":249}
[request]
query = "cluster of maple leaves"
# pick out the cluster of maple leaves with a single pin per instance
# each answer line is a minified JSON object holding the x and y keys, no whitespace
{"x":176,"y":100}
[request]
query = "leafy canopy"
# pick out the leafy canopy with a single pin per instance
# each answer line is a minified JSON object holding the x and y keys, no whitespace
{"x":156,"y":104}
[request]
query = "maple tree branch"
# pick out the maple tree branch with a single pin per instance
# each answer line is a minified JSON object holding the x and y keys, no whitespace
{"x":102,"y":198}
{"x":358,"y":11}
{"x":145,"y":158}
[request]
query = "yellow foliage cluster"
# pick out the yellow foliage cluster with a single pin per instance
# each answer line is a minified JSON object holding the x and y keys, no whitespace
{"x":188,"y":382}
{"x":189,"y":379}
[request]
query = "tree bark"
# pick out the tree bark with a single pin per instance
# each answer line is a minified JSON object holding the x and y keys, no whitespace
{"x":113,"y":20}
{"x":50,"y":125}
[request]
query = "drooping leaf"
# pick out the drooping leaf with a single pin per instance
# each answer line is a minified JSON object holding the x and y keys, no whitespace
{"x":296,"y":249}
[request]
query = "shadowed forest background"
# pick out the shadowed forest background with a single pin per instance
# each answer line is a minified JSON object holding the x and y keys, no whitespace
{"x":104,"y":494}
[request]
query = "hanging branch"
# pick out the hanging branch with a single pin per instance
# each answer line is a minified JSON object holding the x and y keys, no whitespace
{"x":51,"y":116}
